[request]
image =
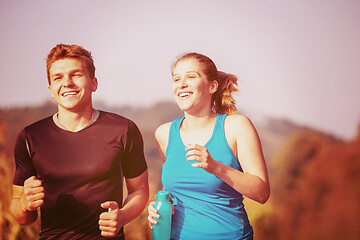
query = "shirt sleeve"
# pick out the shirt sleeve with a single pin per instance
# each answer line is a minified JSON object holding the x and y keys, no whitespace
{"x":134,"y":163}
{"x":23,"y":162}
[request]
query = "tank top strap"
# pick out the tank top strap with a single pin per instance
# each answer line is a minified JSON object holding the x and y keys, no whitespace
{"x":219,"y":129}
{"x":221,"y":122}
{"x":174,"y":133}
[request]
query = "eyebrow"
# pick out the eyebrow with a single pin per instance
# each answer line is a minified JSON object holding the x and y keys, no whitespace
{"x":71,"y":72}
{"x":187,"y":73}
{"x":56,"y":75}
{"x":193,"y":72}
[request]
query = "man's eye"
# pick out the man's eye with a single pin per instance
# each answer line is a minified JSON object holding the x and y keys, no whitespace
{"x":77,"y":75}
{"x":176,"y":79}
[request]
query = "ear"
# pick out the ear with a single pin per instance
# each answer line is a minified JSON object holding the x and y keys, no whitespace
{"x":214,"y":86}
{"x":94,"y":84}
{"x":52,"y":95}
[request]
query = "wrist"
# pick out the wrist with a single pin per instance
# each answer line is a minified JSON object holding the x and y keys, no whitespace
{"x":121,"y":219}
{"x":218,"y":169}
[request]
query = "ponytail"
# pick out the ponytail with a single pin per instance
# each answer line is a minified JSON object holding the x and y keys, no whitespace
{"x":223,"y":101}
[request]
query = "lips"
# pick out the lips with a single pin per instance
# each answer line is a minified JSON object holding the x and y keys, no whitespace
{"x":184,"y":94}
{"x":69,"y":93}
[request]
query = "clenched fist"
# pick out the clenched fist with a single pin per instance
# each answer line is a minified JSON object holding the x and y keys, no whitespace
{"x":110,"y":221}
{"x":33,"y":196}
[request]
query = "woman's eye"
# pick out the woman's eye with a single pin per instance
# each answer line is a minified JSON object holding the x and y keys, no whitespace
{"x":176,"y":79}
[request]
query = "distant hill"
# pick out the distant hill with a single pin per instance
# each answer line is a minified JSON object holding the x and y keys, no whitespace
{"x":273,"y":132}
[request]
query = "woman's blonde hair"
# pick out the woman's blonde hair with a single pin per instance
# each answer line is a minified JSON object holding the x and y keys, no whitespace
{"x":223,"y":101}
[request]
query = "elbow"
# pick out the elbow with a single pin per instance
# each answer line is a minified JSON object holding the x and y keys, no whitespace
{"x":265,"y":195}
{"x":264,"y":199}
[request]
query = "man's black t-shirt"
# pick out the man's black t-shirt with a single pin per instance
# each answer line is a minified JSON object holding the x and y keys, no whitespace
{"x":79,"y":171}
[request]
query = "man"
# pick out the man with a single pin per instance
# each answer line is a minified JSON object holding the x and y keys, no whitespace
{"x":71,"y":164}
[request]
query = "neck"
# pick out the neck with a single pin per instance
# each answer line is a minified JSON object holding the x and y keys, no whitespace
{"x":74,"y":120}
{"x":199,"y":120}
{"x":197,"y":129}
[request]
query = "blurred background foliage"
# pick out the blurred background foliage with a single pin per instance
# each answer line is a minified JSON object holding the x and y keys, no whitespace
{"x":315,"y":177}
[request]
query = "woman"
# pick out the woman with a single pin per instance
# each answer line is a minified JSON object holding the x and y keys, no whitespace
{"x":211,"y":158}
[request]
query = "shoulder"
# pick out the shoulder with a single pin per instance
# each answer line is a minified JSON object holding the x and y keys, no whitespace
{"x":112,"y":124}
{"x":114,"y":118}
{"x":162,"y":132}
{"x":37,"y":130}
{"x":37,"y":126}
{"x":162,"y":138}
{"x":239,"y":125}
{"x":41,"y":122}
{"x":238,"y":121}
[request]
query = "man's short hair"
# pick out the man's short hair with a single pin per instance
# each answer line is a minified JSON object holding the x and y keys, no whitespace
{"x":62,"y":51}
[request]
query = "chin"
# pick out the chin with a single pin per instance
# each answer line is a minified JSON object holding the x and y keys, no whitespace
{"x":184,"y":107}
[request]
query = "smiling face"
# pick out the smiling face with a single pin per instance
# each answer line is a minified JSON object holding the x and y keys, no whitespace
{"x":71,"y":85}
{"x":191,"y":89}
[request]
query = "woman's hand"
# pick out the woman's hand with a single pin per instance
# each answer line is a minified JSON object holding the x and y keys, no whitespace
{"x":199,"y":153}
{"x":152,"y":214}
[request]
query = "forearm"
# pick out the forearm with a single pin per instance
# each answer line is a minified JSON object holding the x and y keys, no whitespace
{"x":21,"y":215}
{"x":247,"y":184}
{"x":134,"y":204}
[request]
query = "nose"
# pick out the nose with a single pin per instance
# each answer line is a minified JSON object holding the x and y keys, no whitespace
{"x":183,"y":83}
{"x":68,"y":81}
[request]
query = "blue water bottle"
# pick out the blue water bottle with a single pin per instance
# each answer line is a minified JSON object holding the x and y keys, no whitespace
{"x":162,"y":229}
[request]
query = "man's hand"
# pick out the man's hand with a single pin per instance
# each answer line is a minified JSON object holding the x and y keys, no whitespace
{"x":110,"y":222}
{"x":33,"y":196}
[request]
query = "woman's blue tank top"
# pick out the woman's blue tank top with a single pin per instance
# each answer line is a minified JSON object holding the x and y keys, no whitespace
{"x":205,"y":206}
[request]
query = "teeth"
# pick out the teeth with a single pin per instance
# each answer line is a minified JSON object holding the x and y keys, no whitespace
{"x":69,"y":93}
{"x":184,"y":94}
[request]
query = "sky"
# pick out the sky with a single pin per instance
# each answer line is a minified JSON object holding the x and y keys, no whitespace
{"x":297,"y":60}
